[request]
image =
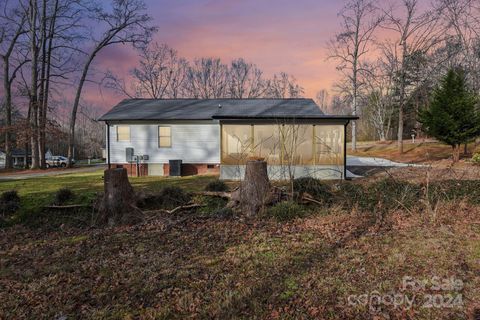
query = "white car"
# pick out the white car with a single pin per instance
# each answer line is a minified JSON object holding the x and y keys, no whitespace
{"x":57,"y":161}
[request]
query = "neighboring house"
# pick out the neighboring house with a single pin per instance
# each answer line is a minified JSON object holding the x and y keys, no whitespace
{"x":2,"y":160}
{"x":220,"y":135}
{"x":18,"y":157}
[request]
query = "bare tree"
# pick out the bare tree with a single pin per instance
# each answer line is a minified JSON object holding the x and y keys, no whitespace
{"x":207,"y":78}
{"x":33,"y":94}
{"x":418,"y":32}
{"x":283,"y":86}
{"x":161,"y":74}
{"x":126,"y":23}
{"x":12,"y":27}
{"x":360,"y":19}
{"x":463,"y":22}
{"x":379,"y":97}
{"x":322,"y":98}
{"x":245,"y":80}
{"x":154,"y":75}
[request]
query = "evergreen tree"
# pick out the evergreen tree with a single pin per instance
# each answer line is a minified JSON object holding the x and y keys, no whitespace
{"x":452,"y":116}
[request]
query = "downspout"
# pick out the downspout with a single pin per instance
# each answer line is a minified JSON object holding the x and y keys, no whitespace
{"x":108,"y":144}
{"x":345,"y":151}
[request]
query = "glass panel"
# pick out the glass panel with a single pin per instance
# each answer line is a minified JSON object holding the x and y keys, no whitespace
{"x":164,"y":131}
{"x":236,"y":143}
{"x":164,"y":142}
{"x":267,"y":143}
{"x":123,"y":133}
{"x":329,"y":142}
{"x":298,"y":144}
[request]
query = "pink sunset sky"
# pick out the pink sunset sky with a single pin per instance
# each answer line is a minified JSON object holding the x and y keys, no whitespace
{"x":276,"y":35}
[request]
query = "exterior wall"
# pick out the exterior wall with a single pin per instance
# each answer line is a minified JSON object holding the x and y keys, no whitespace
{"x":132,"y":168}
{"x":191,"y":169}
{"x":276,"y":172}
{"x":191,"y":142}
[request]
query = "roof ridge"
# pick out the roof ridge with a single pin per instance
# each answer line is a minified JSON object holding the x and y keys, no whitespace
{"x":202,"y":99}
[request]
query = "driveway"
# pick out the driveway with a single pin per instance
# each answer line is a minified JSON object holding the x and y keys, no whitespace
{"x":364,"y":166}
{"x":50,"y":172}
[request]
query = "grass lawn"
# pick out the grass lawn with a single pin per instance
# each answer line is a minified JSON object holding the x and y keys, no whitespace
{"x":39,"y":192}
{"x":203,"y":266}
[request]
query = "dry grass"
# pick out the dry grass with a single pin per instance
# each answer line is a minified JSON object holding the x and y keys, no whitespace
{"x":420,"y":152}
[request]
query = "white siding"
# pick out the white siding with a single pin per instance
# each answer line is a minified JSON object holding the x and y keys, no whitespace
{"x":192,"y":143}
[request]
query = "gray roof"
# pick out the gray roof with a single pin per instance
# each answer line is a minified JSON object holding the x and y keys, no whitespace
{"x":208,"y":109}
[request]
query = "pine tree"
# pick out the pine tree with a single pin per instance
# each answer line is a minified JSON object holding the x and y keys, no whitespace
{"x":452,"y":116}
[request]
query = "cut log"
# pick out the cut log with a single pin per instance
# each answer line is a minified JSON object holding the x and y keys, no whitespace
{"x":118,"y":205}
{"x":254,"y":192}
{"x":219,"y":194}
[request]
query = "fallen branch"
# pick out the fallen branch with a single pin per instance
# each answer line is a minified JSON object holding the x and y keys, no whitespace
{"x":308,"y":199}
{"x":226,"y":195}
{"x":71,"y":206}
{"x":180,"y":208}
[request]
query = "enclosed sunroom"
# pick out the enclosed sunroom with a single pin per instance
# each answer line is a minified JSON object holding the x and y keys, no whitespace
{"x":291,"y":147}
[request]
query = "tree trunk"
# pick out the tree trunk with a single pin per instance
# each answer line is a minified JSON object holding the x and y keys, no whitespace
{"x":34,"y":84}
{"x":255,"y":189}
{"x":8,"y":115}
{"x":400,"y":129}
{"x":118,"y":205}
{"x":456,"y":153}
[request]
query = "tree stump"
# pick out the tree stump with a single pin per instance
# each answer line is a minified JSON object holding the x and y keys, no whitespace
{"x":118,"y":205}
{"x":254,"y":192}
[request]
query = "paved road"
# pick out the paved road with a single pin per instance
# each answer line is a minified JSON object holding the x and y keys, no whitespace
{"x":51,"y":172}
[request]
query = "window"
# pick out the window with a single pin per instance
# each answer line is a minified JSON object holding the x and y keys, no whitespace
{"x":164,"y":137}
{"x":123,"y":133}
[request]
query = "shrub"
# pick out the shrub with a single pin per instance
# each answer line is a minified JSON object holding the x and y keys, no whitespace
{"x":314,"y":187}
{"x":171,"y":197}
{"x":224,"y":212}
{"x":63,"y":195}
{"x":210,"y":204}
{"x":286,"y":210}
{"x":383,"y":195}
{"x":9,"y":202}
{"x":476,"y":158}
{"x":217,"y":185}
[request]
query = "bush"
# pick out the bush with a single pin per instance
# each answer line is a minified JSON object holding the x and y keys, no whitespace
{"x":171,"y":197}
{"x":217,"y":185}
{"x":210,"y":204}
{"x":63,"y":195}
{"x":9,"y":202}
{"x":286,"y":210}
{"x":313,"y":187}
{"x":476,"y":158}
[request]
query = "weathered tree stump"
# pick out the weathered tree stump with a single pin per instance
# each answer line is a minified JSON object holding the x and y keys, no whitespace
{"x":118,"y":205}
{"x":254,"y":191}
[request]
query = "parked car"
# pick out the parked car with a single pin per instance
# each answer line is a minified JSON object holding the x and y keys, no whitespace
{"x":57,"y":161}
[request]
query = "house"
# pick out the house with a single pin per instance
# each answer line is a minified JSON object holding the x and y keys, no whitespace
{"x":194,"y":136}
{"x":2,"y":159}
{"x":18,"y":157}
